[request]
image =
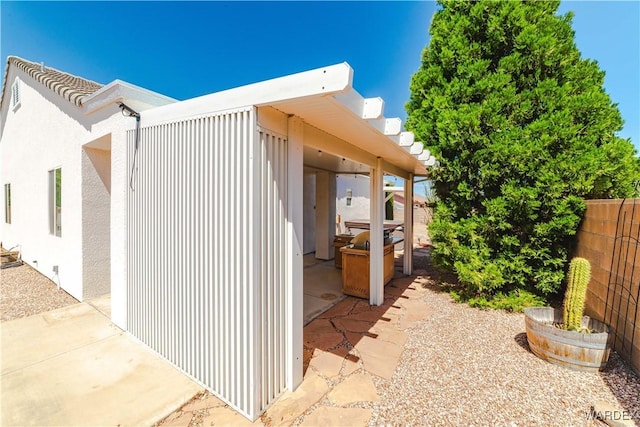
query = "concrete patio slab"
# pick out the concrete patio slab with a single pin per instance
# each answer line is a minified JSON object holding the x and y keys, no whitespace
{"x":32,"y":339}
{"x":102,"y":304}
{"x":322,"y":287}
{"x":71,"y":366}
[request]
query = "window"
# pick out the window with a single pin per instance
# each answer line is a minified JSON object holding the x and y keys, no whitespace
{"x":349,"y":196}
{"x":7,"y":203}
{"x":15,"y":94}
{"x":55,"y":202}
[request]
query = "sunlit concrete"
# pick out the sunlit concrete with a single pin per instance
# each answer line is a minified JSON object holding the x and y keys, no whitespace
{"x":73,"y":367}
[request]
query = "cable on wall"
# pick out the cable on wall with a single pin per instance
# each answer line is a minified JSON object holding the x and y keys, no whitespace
{"x":129,"y":112}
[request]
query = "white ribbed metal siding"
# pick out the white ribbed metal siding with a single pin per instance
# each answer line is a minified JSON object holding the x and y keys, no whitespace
{"x":273,"y":273}
{"x":206,"y":245}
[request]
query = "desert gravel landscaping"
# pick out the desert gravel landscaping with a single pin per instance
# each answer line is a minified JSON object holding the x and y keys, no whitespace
{"x":464,"y":366}
{"x":25,"y":292}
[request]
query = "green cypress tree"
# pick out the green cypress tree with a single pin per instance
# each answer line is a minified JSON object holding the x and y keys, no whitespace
{"x":524,"y":131}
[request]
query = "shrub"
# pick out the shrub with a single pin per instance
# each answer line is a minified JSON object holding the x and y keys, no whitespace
{"x":523,"y":131}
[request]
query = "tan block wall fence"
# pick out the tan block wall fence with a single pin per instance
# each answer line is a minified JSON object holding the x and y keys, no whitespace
{"x":596,"y":240}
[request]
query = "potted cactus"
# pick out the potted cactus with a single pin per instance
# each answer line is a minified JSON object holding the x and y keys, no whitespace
{"x":576,"y":294}
{"x":566,"y":337}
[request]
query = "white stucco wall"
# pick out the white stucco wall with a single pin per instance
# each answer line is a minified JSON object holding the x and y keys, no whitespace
{"x":44,"y":133}
{"x":359,"y":185}
{"x":96,"y":177}
{"x":116,"y":131}
{"x":38,"y":137}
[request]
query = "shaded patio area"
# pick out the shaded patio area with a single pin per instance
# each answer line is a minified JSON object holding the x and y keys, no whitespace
{"x":322,"y":286}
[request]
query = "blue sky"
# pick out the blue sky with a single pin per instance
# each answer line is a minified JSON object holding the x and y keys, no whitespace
{"x":186,"y":49}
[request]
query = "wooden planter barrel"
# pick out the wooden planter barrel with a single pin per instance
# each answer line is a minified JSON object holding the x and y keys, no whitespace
{"x":571,"y":349}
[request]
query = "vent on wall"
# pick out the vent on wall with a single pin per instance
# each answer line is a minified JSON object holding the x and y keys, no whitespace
{"x":15,"y":94}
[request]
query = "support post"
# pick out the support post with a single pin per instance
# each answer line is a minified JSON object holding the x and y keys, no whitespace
{"x":376,"y":239}
{"x":408,"y":225}
{"x":294,"y":252}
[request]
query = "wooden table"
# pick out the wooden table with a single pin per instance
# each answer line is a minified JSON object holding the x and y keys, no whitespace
{"x":365,"y":224}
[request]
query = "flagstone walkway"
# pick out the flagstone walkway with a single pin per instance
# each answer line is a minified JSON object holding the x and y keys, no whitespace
{"x":344,"y":349}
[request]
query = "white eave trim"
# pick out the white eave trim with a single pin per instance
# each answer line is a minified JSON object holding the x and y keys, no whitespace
{"x":119,"y":90}
{"x":327,"y":89}
{"x":321,"y":81}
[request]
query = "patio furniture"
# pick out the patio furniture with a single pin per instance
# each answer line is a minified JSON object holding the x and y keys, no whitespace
{"x":355,"y":268}
{"x":340,"y":241}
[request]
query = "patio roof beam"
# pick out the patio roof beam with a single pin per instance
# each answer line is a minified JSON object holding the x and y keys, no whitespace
{"x":394,"y":170}
{"x":416,"y":148}
{"x":365,"y":108}
{"x":406,"y":139}
{"x":314,"y":137}
{"x":424,"y":156}
{"x":431,"y":161}
{"x":388,"y":127}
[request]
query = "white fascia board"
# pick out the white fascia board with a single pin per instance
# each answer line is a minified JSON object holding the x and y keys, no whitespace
{"x":121,"y":91}
{"x":318,"y":82}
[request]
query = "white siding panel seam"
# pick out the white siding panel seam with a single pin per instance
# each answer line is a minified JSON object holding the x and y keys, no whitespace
{"x":273,"y":169}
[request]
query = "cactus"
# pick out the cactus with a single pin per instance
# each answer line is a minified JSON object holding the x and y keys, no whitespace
{"x":577,"y":281}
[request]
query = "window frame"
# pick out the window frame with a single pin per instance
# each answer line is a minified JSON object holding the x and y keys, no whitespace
{"x":7,"y":203}
{"x":55,"y":201}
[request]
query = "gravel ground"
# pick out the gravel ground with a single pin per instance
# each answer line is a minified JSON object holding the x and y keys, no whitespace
{"x":25,"y":292}
{"x":465,"y":366}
